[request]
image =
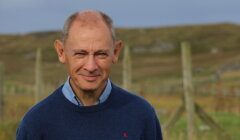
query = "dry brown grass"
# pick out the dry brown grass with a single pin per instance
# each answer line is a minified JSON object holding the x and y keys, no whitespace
{"x":210,"y":103}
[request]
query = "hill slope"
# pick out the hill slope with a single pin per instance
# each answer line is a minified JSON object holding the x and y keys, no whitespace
{"x":155,"y":53}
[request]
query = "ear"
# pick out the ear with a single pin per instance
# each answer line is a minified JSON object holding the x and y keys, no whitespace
{"x":118,"y":45}
{"x":60,"y":51}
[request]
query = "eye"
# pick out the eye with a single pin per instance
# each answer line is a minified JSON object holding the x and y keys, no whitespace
{"x":101,"y":55}
{"x":80,"y":54}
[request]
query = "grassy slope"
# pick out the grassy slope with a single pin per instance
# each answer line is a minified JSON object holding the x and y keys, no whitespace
{"x":150,"y":69}
{"x":18,"y":52}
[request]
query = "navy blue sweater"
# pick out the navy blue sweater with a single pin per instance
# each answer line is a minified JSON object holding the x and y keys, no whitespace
{"x":123,"y":116}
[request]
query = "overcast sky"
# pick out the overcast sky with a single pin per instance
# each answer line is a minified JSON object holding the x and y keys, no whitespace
{"x":22,"y":16}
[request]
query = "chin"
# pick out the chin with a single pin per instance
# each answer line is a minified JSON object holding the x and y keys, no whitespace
{"x":89,"y":86}
{"x":86,"y":85}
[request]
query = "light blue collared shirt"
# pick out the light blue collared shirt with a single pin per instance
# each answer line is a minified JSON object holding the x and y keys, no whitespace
{"x":69,"y":94}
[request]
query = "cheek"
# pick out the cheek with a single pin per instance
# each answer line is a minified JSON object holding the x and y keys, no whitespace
{"x":73,"y":65}
{"x":104,"y":65}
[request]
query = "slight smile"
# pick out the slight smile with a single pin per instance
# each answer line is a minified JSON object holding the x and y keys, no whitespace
{"x":90,"y":78}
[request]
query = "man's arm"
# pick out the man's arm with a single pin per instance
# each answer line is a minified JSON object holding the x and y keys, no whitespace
{"x":25,"y":133}
{"x":152,"y":130}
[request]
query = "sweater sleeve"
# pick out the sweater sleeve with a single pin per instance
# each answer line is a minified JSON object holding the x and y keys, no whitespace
{"x":152,"y":129}
{"x":158,"y":129}
{"x":26,"y":133}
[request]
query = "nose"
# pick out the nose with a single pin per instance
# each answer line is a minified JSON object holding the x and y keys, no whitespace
{"x":90,"y":64}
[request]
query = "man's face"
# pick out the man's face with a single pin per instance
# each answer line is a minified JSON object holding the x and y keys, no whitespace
{"x":88,"y":54}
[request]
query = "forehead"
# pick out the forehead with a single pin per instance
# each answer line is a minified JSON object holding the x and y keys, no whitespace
{"x":96,"y":36}
{"x":89,"y":20}
{"x":80,"y":27}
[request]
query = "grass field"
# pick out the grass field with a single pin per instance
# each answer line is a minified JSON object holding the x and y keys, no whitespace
{"x":157,"y":73}
{"x":227,"y":118}
{"x":17,"y":105}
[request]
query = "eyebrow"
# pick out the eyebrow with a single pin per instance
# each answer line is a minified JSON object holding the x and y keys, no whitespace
{"x":102,"y":50}
{"x":85,"y":51}
{"x":78,"y":51}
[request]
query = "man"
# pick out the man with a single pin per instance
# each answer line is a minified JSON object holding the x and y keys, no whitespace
{"x":88,"y":106}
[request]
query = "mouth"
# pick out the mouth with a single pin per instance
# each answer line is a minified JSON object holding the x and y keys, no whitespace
{"x":90,"y":78}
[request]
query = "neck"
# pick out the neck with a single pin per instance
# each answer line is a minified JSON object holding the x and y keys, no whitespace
{"x":87,"y":97}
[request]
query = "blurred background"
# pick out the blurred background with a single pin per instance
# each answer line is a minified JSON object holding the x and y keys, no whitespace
{"x":155,"y":32}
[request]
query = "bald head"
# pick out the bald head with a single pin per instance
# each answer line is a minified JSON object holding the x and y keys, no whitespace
{"x":88,"y":18}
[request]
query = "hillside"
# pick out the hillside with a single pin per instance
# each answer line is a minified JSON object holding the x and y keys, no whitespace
{"x":156,"y":53}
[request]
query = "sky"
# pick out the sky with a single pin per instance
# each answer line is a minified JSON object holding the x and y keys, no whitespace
{"x":24,"y":16}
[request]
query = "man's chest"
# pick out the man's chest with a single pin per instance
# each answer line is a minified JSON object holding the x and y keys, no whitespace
{"x":97,"y":127}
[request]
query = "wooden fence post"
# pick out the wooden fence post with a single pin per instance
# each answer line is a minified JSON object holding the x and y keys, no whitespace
{"x":127,"y":69}
{"x":188,"y":89}
{"x":38,"y":75}
{"x":1,"y":90}
{"x":188,"y":102}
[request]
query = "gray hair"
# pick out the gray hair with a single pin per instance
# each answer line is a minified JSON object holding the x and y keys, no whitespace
{"x":108,"y":21}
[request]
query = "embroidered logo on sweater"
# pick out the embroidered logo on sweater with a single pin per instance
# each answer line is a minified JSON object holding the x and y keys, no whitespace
{"x":125,"y":134}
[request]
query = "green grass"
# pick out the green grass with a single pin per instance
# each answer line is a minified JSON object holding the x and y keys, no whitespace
{"x":154,"y":73}
{"x":18,"y":52}
{"x":16,"y":105}
{"x":228,"y":117}
{"x":8,"y":129}
{"x":228,"y":121}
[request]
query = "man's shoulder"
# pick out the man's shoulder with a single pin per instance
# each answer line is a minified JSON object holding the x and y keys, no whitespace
{"x":133,"y":100}
{"x":36,"y":112}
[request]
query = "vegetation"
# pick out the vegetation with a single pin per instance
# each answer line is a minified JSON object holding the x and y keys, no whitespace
{"x":156,"y":48}
{"x":157,"y":73}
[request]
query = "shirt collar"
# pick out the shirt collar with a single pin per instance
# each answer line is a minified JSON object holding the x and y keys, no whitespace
{"x":69,"y":94}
